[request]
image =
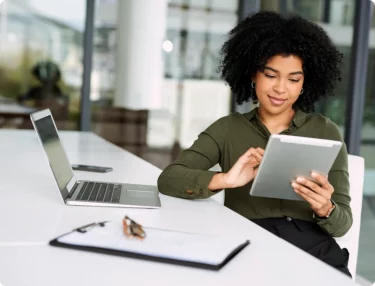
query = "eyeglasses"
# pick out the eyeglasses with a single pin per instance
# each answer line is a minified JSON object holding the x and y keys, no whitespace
{"x":132,"y":229}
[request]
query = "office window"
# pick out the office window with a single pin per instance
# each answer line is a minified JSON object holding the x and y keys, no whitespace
{"x":366,"y":266}
{"x":159,"y":108}
{"x":40,"y":60}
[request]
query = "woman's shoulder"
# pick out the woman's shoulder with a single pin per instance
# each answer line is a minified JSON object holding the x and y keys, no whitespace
{"x":323,"y":123}
{"x":232,"y":118}
{"x":320,"y":119}
{"x":225,"y":123}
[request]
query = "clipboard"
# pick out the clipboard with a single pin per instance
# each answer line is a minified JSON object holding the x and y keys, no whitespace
{"x":180,"y":248}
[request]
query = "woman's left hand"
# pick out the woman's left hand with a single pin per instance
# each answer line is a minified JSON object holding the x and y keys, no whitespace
{"x":317,"y":195}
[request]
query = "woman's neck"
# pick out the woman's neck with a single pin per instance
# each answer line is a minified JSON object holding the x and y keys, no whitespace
{"x":276,"y":123}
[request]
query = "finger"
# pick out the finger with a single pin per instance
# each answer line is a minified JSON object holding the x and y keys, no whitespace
{"x":309,"y":193}
{"x":248,"y":158}
{"x":257,"y":155}
{"x":312,"y":202}
{"x":314,"y":186}
{"x":253,"y":150}
{"x":253,"y":162}
{"x":323,"y":180}
{"x":311,"y":185}
{"x":310,"y":197}
{"x":249,"y":152}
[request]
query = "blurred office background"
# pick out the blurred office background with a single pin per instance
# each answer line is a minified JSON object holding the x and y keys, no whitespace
{"x":144,"y":75}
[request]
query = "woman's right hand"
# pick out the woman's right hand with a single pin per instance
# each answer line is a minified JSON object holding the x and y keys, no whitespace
{"x":245,"y":169}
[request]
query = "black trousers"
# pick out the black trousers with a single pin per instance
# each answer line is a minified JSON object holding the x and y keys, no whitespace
{"x":309,"y":237}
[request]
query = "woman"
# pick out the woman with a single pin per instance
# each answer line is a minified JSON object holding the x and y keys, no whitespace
{"x":286,"y":65}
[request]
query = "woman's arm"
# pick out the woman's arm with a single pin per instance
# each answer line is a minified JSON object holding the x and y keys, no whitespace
{"x":188,"y":177}
{"x":341,"y":219}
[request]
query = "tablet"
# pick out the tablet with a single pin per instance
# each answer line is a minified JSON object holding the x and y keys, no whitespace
{"x":287,"y":157}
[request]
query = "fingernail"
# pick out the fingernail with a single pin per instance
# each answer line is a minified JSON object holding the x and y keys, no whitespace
{"x":295,"y":190}
{"x":314,"y":174}
{"x":301,"y":180}
{"x":294,"y":185}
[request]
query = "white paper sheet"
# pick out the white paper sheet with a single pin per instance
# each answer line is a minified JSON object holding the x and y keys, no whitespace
{"x":159,"y":243}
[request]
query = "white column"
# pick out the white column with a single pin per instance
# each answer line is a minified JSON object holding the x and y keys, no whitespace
{"x":141,"y":29}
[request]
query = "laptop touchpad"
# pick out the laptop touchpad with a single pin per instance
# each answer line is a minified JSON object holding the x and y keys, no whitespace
{"x":139,"y":194}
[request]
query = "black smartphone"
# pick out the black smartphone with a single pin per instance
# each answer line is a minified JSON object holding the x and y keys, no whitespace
{"x":92,"y":168}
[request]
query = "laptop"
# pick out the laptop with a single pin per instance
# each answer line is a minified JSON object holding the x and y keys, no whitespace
{"x":87,"y":193}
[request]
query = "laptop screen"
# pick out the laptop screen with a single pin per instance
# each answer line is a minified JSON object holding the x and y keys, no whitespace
{"x":53,"y":147}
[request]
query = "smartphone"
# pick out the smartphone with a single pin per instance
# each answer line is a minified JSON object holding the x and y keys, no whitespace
{"x":92,"y":168}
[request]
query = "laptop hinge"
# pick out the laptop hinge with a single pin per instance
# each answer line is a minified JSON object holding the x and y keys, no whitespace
{"x":73,"y":190}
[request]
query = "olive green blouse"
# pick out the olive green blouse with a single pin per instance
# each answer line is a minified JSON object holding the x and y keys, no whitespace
{"x":231,"y":136}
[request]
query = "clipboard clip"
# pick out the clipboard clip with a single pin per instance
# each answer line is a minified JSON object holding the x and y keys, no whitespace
{"x":86,"y":228}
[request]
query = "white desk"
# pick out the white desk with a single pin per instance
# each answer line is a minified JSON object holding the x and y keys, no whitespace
{"x":32,"y":212}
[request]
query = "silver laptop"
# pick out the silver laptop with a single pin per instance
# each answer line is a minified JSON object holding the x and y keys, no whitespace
{"x":87,"y":193}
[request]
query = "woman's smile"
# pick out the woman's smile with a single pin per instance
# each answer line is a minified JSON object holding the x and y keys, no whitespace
{"x":276,"y":100}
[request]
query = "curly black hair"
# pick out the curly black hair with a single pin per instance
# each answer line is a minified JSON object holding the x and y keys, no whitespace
{"x":265,"y":34}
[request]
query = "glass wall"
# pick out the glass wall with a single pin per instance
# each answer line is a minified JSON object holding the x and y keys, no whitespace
{"x":366,"y":267}
{"x":156,"y":123}
{"x":40,"y":61}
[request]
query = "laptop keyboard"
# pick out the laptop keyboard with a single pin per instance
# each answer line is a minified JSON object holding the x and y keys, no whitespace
{"x":99,"y":192}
